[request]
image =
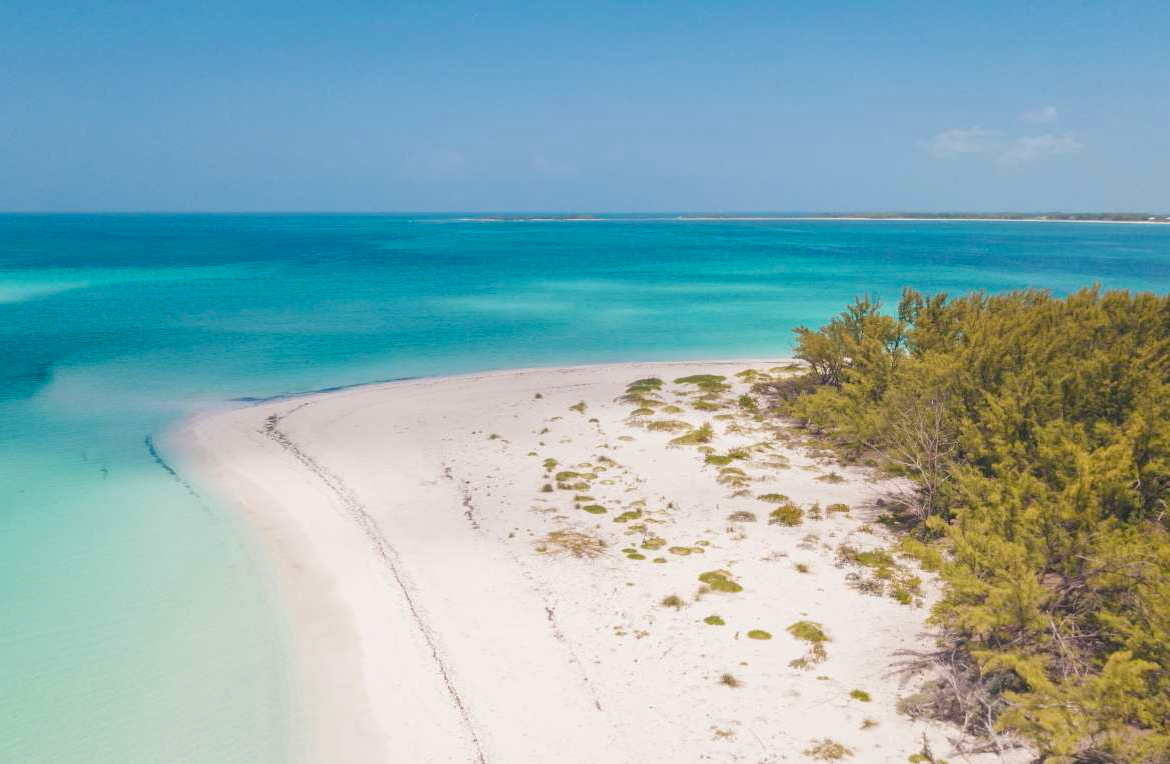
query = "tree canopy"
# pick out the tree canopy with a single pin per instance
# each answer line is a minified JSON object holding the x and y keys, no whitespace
{"x":1035,"y":435}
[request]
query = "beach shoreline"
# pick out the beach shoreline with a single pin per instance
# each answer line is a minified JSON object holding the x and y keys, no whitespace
{"x":408,"y":529}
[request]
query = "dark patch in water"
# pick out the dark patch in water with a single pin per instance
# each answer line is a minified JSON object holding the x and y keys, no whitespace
{"x":334,"y":389}
{"x":157,"y":457}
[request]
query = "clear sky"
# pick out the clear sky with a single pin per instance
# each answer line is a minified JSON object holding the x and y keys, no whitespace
{"x":584,"y":106}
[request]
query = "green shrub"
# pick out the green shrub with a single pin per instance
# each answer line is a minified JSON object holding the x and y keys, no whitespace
{"x":808,"y":631}
{"x":720,"y":581}
{"x":787,"y":514}
{"x":1035,"y":434}
{"x":702,"y":434}
{"x":710,"y":383}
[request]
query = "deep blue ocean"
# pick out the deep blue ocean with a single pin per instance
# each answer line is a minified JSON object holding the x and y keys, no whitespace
{"x":135,"y":618}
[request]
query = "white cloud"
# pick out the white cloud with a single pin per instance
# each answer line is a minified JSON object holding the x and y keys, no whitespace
{"x":995,"y":146}
{"x":969,"y":140}
{"x":1032,"y":147}
{"x":1041,"y":116}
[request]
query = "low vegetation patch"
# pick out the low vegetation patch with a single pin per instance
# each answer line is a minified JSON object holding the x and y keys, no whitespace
{"x":714,"y":620}
{"x":695,"y":437}
{"x":669,"y":425}
{"x":708,"y":383}
{"x":827,"y":749}
{"x":673,"y":601}
{"x":575,"y":543}
{"x":566,"y":475}
{"x":786,"y":514}
{"x":720,"y":581}
{"x":758,"y":634}
{"x":647,"y":385}
{"x":729,"y":680}
{"x":814,"y":634}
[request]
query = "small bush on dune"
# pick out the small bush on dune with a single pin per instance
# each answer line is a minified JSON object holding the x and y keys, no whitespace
{"x":827,"y":749}
{"x":808,"y":631}
{"x":669,"y":425}
{"x":709,"y":383}
{"x":673,"y":601}
{"x":647,"y":385}
{"x":720,"y":581}
{"x":729,"y":680}
{"x":575,"y":543}
{"x":698,"y":436}
{"x":787,"y":514}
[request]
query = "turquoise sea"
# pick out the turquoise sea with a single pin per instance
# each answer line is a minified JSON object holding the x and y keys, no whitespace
{"x":134,"y":616}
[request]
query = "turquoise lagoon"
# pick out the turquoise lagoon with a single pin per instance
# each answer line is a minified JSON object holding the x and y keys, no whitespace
{"x":137,"y":622}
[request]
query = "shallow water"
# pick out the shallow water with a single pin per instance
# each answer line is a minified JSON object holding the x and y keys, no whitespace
{"x":135,"y":621}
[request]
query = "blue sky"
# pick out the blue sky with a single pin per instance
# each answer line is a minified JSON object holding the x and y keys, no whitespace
{"x":584,"y":106}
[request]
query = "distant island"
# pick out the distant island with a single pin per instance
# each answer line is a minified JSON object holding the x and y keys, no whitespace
{"x":1075,"y":217}
{"x":1067,"y":217}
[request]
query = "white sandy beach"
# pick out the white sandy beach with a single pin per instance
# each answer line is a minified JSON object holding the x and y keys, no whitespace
{"x":437,"y":622}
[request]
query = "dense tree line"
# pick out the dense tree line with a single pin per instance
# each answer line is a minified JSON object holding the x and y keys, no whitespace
{"x":1033,"y":434}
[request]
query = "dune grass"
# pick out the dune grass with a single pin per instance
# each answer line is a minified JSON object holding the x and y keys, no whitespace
{"x":695,"y":437}
{"x":720,"y":581}
{"x":574,"y":543}
{"x":787,"y":514}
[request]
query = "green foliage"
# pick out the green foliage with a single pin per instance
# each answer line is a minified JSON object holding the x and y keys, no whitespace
{"x":695,"y":437}
{"x":668,"y":425}
{"x":708,"y":383}
{"x":808,"y":631}
{"x":720,"y":581}
{"x":714,"y":620}
{"x":828,"y":749}
{"x":1036,"y":434}
{"x":643,"y":386}
{"x":786,"y":514}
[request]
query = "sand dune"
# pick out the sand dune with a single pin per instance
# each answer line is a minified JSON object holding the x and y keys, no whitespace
{"x":438,"y":620}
